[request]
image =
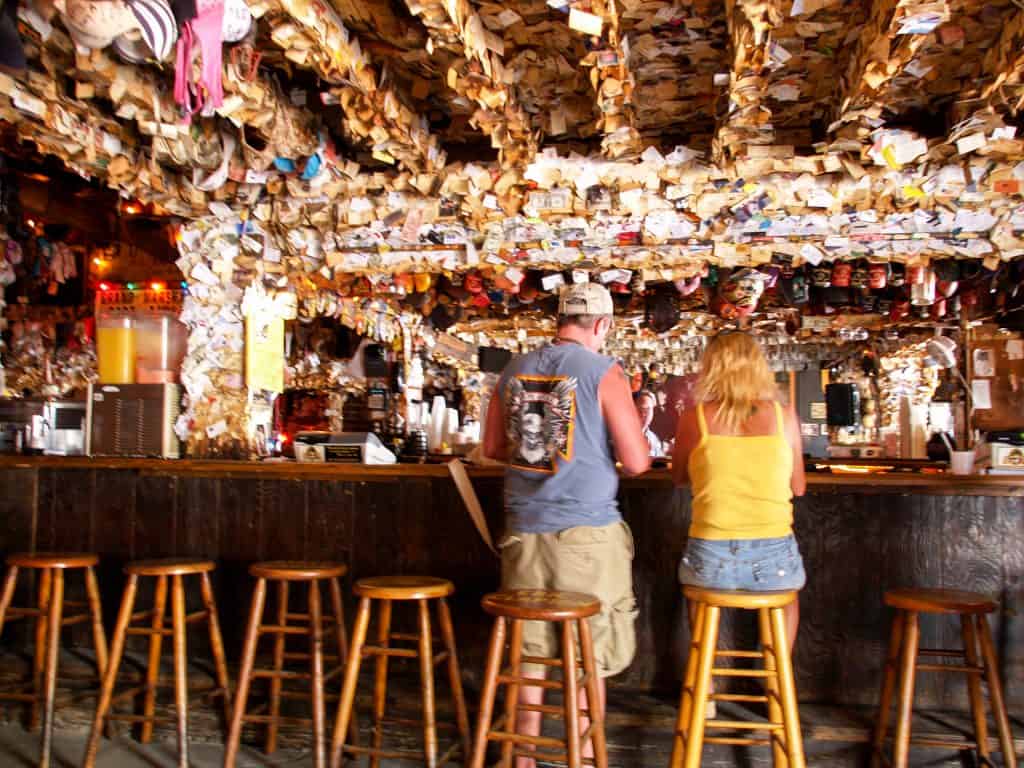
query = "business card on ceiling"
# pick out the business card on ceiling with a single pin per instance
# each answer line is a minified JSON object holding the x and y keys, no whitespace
{"x":584,"y":22}
{"x":551,"y":282}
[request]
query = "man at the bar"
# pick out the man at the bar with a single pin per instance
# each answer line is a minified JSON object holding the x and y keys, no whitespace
{"x":560,"y":418}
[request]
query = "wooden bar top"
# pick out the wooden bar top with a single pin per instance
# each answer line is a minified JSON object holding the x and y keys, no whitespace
{"x":933,"y":483}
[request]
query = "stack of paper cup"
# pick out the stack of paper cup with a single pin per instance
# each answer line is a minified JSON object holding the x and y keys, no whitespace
{"x":438,"y":416}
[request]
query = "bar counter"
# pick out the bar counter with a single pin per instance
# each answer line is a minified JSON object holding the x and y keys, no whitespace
{"x":859,"y":534}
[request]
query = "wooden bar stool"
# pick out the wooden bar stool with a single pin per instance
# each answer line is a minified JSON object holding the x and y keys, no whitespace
{"x":173,"y":572}
{"x":311,"y":624}
{"x":50,"y":619}
{"x":783,"y":724}
{"x":385,"y":590}
{"x":570,"y":609}
{"x":972,"y":608}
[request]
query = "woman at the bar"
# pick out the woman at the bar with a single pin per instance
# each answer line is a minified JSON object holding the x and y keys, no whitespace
{"x":741,"y":452}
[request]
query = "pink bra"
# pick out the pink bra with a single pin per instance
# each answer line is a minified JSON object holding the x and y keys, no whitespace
{"x":206,"y":31}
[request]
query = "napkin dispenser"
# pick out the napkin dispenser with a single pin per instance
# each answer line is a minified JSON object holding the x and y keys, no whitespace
{"x":341,"y":448}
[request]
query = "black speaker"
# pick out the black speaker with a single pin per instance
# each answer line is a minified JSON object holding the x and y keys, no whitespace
{"x":842,"y":405}
{"x":493,"y":359}
{"x":375,"y":361}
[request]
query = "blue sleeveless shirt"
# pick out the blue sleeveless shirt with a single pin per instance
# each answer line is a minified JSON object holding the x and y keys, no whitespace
{"x":561,"y":469}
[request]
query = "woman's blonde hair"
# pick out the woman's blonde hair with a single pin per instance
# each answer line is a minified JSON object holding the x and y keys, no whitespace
{"x":735,"y":374}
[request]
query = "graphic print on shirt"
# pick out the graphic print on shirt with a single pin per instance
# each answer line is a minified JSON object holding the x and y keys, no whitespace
{"x":541,"y":418}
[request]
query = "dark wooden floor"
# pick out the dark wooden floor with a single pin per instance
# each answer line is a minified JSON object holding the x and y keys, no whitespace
{"x":639,"y":728}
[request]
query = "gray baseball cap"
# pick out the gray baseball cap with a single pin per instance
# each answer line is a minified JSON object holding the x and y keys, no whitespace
{"x":585,"y":299}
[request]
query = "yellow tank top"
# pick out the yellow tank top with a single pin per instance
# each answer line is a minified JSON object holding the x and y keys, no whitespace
{"x":741,"y":484}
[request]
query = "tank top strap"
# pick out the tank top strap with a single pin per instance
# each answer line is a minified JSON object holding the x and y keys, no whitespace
{"x":702,"y":424}
{"x":780,"y":420}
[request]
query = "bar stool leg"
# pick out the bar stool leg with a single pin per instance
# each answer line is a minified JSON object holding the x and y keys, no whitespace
{"x":595,"y":712}
{"x":155,"y":647}
{"x":454,"y":676}
{"x":686,"y":695}
{"x":339,"y":626}
{"x":245,"y":673}
{"x":702,"y":683}
{"x":10,"y":581}
{"x":39,"y":654}
{"x":779,"y":744}
{"x":270,"y":745}
{"x":970,"y":639}
{"x":483,"y":723}
{"x":427,"y":686}
{"x":52,"y":650}
{"x":348,"y":688}
{"x":515,"y":651}
{"x":220,"y":662}
{"x":908,"y":668}
{"x":110,"y":676}
{"x":995,"y":693}
{"x":99,"y":637}
{"x":787,"y":690}
{"x":892,"y":660}
{"x":339,"y":618}
{"x":316,"y":650}
{"x":571,"y":703}
{"x":180,"y":668}
{"x":380,"y":682}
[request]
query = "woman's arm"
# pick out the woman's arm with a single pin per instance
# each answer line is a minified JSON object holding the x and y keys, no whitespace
{"x":687,"y":437}
{"x":798,"y":482}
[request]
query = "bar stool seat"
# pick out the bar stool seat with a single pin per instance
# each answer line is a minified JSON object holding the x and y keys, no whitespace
{"x":64,"y":560}
{"x":50,"y":619}
{"x":294,"y":570}
{"x":168,"y":573}
{"x":902,"y":665}
{"x":783,"y":724}
{"x":570,"y":609}
{"x":404,"y":588}
{"x":169,"y":567}
{"x":310,"y":624}
{"x":951,"y":601}
{"x":385,"y":590}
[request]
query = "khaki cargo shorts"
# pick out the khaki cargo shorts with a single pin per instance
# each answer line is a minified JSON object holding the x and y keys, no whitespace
{"x":594,"y":560}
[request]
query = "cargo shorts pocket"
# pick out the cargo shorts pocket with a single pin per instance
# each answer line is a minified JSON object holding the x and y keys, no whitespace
{"x":515,"y":568}
{"x":615,"y":637}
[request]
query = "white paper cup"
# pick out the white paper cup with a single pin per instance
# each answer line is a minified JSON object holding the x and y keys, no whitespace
{"x":962,"y":462}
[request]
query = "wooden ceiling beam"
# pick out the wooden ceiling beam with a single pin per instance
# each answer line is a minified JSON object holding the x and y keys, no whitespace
{"x":747,"y":119}
{"x":894,"y":32}
{"x":312,"y":34}
{"x":478,"y":75}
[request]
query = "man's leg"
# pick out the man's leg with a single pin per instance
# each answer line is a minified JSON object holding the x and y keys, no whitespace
{"x":524,"y":566}
{"x":598,"y":561}
{"x":529,"y":723}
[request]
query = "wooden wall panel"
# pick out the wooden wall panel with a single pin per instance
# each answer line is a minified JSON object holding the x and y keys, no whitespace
{"x":855,"y":545}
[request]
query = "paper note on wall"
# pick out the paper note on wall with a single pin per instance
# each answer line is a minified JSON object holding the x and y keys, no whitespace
{"x":981,"y":394}
{"x":264,"y":352}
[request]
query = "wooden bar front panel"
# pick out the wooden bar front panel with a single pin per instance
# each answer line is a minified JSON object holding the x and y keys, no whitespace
{"x":856,"y":543}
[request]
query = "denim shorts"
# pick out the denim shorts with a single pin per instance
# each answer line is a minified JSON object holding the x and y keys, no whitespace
{"x":750,"y":565}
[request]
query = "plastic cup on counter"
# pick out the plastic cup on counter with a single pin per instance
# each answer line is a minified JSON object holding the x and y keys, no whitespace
{"x":961,"y":462}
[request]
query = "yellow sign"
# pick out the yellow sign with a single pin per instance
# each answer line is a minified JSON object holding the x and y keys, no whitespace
{"x":264,"y":352}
